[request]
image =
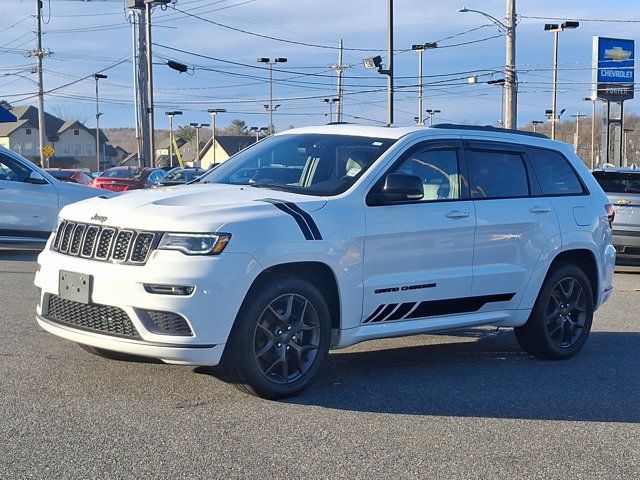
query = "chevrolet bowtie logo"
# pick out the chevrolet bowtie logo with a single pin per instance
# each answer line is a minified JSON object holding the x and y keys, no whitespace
{"x":617,"y":54}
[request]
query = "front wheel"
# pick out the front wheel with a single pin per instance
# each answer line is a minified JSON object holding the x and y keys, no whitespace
{"x":280,"y":338}
{"x":561,"y":318}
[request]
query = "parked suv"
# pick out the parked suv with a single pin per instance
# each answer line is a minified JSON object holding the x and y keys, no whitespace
{"x":323,"y":237}
{"x":622,"y":186}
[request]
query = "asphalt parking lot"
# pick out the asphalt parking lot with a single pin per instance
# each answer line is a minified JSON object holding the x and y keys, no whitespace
{"x":471,"y":405}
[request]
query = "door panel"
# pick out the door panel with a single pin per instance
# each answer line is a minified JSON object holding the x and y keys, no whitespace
{"x":513,"y":227}
{"x":420,"y":251}
{"x":26,"y":209}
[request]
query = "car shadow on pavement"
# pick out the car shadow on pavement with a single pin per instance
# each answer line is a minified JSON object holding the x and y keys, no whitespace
{"x":488,"y":377}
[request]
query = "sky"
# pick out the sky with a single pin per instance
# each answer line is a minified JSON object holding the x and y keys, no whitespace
{"x":85,"y":37}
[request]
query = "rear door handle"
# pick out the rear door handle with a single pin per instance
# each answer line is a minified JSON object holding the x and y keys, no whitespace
{"x":540,"y":209}
{"x":457,"y":214}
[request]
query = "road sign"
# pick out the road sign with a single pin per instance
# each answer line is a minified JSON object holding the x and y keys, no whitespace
{"x":613,"y":68}
{"x":48,"y":151}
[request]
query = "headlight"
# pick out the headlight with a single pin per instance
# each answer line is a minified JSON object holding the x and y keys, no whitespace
{"x":195,"y":243}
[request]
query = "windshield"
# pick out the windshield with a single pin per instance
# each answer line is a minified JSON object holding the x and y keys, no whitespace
{"x":122,"y":173}
{"x":313,"y":164}
{"x":183,"y":175}
{"x":618,"y":182}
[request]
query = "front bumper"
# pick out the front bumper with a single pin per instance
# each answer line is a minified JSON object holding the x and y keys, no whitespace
{"x":220,"y":283}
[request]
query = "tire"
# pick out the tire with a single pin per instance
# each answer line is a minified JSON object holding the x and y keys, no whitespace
{"x":561,"y":318}
{"x":121,"y":357}
{"x":280,"y":338}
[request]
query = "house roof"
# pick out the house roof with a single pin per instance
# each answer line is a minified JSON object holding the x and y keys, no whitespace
{"x":8,"y":128}
{"x":231,"y":144}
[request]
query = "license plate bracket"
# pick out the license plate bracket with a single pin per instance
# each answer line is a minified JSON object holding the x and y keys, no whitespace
{"x":75,"y":286}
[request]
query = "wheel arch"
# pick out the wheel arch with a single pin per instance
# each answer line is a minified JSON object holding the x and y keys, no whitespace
{"x":585,"y":260}
{"x":318,"y":273}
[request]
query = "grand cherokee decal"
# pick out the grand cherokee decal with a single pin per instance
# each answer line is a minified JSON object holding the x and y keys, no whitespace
{"x":433,"y":308}
{"x":302,"y":218}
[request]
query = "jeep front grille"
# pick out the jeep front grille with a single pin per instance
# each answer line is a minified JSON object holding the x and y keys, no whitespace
{"x":104,"y":243}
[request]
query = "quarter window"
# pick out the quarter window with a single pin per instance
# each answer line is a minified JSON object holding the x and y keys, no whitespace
{"x":497,"y":174}
{"x":555,"y":175}
{"x":438,"y":171}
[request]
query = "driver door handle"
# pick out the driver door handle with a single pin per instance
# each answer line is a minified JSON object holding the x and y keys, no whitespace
{"x":540,"y":209}
{"x":457,"y":214}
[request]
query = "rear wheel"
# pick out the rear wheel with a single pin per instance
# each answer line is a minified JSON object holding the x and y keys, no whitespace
{"x":561,"y":318}
{"x":280,"y":339}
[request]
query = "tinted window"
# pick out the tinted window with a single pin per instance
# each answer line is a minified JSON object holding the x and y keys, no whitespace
{"x":61,"y":174}
{"x":438,"y":170}
{"x":315,"y":164}
{"x":555,"y":175}
{"x":122,"y":173}
{"x":497,"y":174}
{"x":618,"y":182}
{"x":12,"y":170}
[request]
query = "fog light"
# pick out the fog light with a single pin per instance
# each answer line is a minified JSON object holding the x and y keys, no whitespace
{"x":169,"y":289}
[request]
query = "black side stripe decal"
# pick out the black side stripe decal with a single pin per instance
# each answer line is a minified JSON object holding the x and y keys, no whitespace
{"x":375,"y":312}
{"x":303,"y":219}
{"x":385,"y":311}
{"x":434,"y":308}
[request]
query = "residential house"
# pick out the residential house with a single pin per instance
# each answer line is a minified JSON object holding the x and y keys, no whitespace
{"x":74,"y":144}
{"x":226,"y":146}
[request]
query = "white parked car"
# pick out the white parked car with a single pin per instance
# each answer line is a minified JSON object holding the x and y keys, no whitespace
{"x":323,"y":237}
{"x":30,"y":200}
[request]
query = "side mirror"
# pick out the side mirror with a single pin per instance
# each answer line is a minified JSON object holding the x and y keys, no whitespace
{"x":36,"y":178}
{"x":398,"y":187}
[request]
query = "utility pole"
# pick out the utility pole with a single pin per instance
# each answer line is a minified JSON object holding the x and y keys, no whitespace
{"x":511,"y":84}
{"x":151,"y":154}
{"x":39,"y":53}
{"x":98,"y":76}
{"x":339,"y":68}
{"x":390,"y":62}
{"x":625,"y":134}
{"x":133,"y":20}
{"x":577,"y":116}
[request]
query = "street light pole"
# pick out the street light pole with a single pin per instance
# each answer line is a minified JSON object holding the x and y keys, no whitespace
{"x":390,"y":62}
{"x":420,"y":49}
{"x":593,"y":129}
{"x":170,"y":116}
{"x":511,"y":83}
{"x":535,"y":123}
{"x":98,"y":76}
{"x":555,"y":29}
{"x":198,"y":126}
{"x":213,"y":112}
{"x":271,"y":63}
{"x":431,"y":113}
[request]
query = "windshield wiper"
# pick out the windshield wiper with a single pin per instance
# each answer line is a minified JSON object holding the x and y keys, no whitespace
{"x":270,"y":185}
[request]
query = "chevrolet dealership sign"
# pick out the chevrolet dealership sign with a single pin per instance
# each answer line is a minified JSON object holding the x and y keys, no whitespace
{"x":613,"y":68}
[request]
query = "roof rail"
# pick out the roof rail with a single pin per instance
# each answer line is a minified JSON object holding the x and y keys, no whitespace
{"x":487,"y":128}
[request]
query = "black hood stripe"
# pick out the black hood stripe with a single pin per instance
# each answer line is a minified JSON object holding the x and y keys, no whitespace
{"x":303,"y":219}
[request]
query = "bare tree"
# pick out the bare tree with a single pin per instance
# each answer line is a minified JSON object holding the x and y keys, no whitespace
{"x":67,"y":114}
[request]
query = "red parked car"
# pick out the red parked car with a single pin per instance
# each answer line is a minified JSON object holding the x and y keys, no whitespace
{"x":70,"y":175}
{"x":120,"y":179}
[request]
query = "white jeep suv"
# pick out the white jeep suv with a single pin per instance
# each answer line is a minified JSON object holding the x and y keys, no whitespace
{"x":323,"y":237}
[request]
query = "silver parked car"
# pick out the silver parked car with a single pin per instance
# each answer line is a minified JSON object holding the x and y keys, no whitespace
{"x":30,"y":200}
{"x":622,"y":186}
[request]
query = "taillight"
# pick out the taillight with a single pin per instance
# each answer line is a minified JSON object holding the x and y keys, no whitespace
{"x":611,"y":213}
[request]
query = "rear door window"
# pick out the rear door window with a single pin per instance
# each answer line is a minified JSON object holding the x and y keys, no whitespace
{"x":554,"y":173}
{"x":497,"y":174}
{"x":618,"y":182}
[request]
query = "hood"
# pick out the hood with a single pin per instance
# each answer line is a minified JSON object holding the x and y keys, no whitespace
{"x":189,"y":208}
